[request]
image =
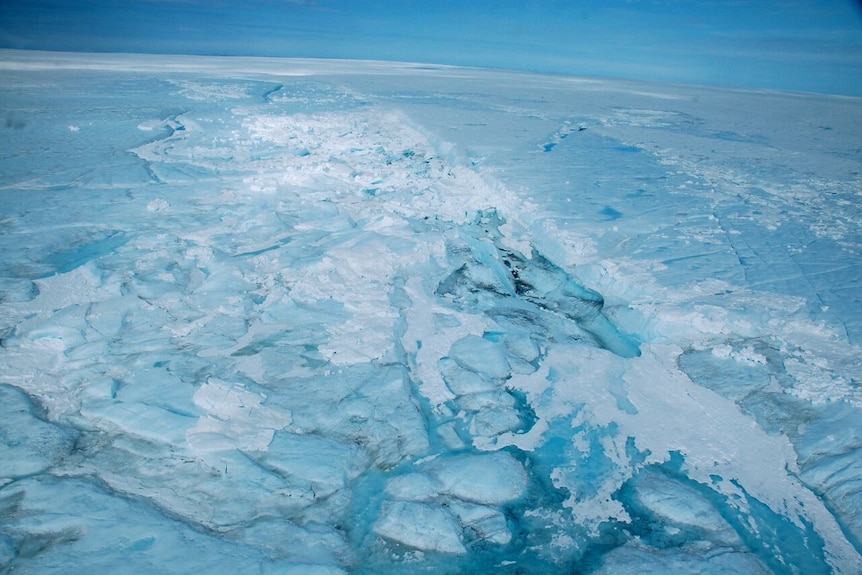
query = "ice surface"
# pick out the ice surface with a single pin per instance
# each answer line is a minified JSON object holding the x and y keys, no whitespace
{"x":321,"y":317}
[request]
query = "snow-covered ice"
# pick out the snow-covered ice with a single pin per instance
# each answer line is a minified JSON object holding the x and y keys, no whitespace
{"x":296,"y":316}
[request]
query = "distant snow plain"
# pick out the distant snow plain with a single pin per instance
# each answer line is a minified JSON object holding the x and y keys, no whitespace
{"x":298,"y":316}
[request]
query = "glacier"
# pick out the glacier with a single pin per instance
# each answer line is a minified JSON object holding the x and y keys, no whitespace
{"x":329,"y":317}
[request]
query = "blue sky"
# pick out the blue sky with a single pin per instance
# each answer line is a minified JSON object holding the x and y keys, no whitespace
{"x":808,"y":45}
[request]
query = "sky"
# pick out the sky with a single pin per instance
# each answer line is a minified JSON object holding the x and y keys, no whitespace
{"x":801,"y":45}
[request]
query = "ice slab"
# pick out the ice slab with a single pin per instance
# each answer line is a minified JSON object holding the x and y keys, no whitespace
{"x":635,"y":558}
{"x":419,"y":525}
{"x":682,"y":506}
{"x":51,"y":522}
{"x":482,"y":523}
{"x":326,"y":465}
{"x":480,"y":356}
{"x":28,"y":444}
{"x":489,"y":478}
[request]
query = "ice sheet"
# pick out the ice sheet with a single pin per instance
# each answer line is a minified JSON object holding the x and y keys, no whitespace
{"x":302,"y":316}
